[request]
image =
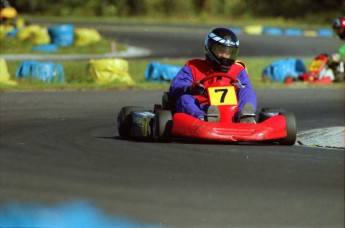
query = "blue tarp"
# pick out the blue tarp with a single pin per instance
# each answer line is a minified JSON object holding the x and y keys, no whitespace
{"x":43,"y":71}
{"x":279,"y":70}
{"x":161,"y":72}
{"x":45,"y":48}
{"x":62,"y":35}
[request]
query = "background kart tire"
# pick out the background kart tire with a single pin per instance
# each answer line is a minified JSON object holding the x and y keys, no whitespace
{"x":124,"y":120}
{"x":339,"y":77}
{"x":291,"y":129}
{"x":163,"y":126}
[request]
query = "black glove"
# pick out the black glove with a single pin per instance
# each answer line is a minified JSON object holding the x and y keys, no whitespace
{"x":197,"y":88}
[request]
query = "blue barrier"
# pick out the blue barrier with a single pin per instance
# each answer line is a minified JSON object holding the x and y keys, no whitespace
{"x":41,"y":71}
{"x":13,"y":33}
{"x":276,"y":31}
{"x":325,"y":32}
{"x":293,"y":32}
{"x":161,"y":72}
{"x":76,"y":214}
{"x":237,"y":30}
{"x":45,"y":48}
{"x":272,"y":31}
{"x":279,"y":70}
{"x":62,"y":35}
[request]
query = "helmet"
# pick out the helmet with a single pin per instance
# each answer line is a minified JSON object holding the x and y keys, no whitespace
{"x":221,"y":48}
{"x":8,"y":12}
{"x":339,"y":27}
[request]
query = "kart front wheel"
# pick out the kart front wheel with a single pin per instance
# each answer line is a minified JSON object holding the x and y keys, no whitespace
{"x":267,"y":113}
{"x":162,"y":126}
{"x":124,"y":120}
{"x":291,"y":129}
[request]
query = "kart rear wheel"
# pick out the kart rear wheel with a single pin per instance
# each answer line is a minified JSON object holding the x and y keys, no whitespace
{"x":168,"y":103}
{"x":291,"y":129}
{"x":162,"y":126}
{"x":124,"y":120}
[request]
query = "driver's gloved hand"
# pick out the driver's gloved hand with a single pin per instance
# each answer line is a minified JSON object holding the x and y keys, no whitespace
{"x":197,"y":88}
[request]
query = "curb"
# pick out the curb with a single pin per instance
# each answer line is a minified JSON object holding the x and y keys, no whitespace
{"x":333,"y":137}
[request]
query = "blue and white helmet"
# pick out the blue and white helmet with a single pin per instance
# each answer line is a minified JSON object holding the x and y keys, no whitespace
{"x":222,"y":47}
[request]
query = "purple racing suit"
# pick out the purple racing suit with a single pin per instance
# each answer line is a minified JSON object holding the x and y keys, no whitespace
{"x":195,"y":70}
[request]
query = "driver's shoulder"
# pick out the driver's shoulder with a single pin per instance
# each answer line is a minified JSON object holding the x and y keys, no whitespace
{"x":240,"y":64}
{"x":195,"y":62}
{"x":198,"y":65}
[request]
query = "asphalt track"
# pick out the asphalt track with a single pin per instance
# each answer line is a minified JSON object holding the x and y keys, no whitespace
{"x":58,"y":146}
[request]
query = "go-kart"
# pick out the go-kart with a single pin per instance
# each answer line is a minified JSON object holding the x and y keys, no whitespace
{"x":320,"y":69}
{"x":163,"y":123}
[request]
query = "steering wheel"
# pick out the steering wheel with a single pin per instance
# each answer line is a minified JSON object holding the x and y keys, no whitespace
{"x":218,"y":74}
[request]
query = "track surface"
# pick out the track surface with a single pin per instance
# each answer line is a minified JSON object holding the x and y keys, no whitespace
{"x":60,"y":146}
{"x":171,"y":41}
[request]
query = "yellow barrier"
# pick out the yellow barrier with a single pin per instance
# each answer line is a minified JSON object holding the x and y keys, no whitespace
{"x":84,"y":36}
{"x":110,"y":70}
{"x":20,"y":22}
{"x":8,"y":12}
{"x":312,"y":33}
{"x":4,"y":29}
{"x":253,"y":29}
{"x":34,"y":33}
{"x":4,"y":75}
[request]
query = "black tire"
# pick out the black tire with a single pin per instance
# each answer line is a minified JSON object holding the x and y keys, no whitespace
{"x":124,"y":120}
{"x":168,"y":103}
{"x":291,"y":128}
{"x":339,"y":77}
{"x":337,"y":68}
{"x":267,"y":113}
{"x":162,"y":126}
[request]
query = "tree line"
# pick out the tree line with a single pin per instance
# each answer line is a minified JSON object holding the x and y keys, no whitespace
{"x":308,"y":10}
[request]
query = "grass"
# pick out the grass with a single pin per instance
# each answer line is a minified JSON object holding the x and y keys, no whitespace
{"x":15,"y":46}
{"x":77,"y":76}
{"x":196,"y":20}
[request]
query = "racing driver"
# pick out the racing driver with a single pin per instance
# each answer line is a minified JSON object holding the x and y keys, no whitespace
{"x":339,"y":29}
{"x":221,"y":50}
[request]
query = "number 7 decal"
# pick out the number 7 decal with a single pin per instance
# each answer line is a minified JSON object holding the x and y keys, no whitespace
{"x":225,"y":95}
{"x":225,"y":91}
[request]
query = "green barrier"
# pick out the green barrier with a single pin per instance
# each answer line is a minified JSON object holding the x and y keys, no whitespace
{"x":110,"y":70}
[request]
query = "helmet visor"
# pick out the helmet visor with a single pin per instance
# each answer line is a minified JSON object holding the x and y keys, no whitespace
{"x":226,"y":55}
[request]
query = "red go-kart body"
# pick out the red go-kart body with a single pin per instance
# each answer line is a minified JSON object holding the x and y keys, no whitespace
{"x":315,"y":69}
{"x":163,"y":124}
{"x":188,"y":126}
{"x":271,"y":125}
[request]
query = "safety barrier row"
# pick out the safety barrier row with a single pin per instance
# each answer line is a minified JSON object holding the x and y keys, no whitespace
{"x":276,"y":31}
